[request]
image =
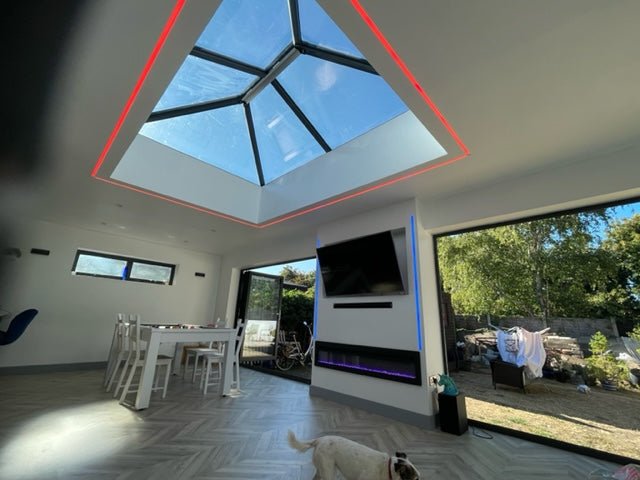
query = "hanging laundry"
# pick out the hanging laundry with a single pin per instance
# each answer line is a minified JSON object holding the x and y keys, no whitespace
{"x":522,"y":347}
{"x":508,"y":346}
{"x":532,"y":354}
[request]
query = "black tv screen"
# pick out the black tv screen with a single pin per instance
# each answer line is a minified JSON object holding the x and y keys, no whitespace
{"x":362,"y":266}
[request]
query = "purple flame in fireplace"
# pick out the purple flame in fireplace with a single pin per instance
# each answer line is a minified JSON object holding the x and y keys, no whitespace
{"x":390,"y":364}
{"x":366,"y":369}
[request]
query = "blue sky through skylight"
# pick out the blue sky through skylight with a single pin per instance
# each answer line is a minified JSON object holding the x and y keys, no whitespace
{"x":341,"y":102}
{"x":199,"y":81}
{"x":318,"y":28}
{"x":254,"y":32}
{"x":284,"y":142}
{"x":325,"y":98}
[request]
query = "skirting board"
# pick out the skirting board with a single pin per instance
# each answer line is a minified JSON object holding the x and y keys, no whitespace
{"x":405,"y":416}
{"x":61,"y":367}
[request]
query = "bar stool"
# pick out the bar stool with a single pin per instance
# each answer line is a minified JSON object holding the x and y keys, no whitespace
{"x":209,"y":359}
{"x":136,"y":359}
{"x":118,"y":351}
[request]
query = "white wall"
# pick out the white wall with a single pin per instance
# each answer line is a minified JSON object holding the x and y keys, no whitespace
{"x":603,"y":178}
{"x":395,"y":328}
{"x":77,"y":313}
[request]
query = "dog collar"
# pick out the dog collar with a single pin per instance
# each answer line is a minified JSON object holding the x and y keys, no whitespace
{"x":389,"y":468}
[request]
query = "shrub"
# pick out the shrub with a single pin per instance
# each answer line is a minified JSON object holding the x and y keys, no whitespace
{"x":602,"y":364}
{"x":635,"y":334}
{"x":598,"y":344}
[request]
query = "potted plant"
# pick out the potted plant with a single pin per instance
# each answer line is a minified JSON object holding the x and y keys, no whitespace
{"x":603,"y":365}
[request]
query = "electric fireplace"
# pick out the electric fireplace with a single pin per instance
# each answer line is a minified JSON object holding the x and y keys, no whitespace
{"x":389,"y":364}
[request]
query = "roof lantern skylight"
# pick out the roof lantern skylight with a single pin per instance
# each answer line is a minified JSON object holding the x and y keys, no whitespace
{"x":269,"y":86}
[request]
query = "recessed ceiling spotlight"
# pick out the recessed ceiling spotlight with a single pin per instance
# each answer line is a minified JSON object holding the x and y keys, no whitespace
{"x":119,"y":205}
{"x":103,"y":223}
{"x":213,"y":230}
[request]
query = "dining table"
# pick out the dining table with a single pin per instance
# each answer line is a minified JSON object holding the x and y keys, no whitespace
{"x":154,"y":335}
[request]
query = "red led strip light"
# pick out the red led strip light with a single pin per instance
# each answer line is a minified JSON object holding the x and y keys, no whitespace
{"x":177,"y":202}
{"x":366,"y":190}
{"x":143,"y":76}
{"x":385,"y":43}
{"x":381,"y":38}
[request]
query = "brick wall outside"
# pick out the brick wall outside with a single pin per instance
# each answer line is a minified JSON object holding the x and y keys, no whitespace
{"x":579,"y":328}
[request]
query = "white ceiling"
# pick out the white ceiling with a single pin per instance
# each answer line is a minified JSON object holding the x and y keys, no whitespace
{"x":527,"y":86}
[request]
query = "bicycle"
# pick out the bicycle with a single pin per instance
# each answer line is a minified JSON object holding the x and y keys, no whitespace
{"x":290,"y":352}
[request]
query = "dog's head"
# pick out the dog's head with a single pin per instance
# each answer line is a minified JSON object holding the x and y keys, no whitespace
{"x":404,"y":469}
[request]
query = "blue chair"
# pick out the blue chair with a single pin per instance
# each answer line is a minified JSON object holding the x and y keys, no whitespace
{"x":17,"y":327}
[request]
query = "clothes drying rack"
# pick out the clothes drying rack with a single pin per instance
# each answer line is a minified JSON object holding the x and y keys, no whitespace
{"x":509,"y":373}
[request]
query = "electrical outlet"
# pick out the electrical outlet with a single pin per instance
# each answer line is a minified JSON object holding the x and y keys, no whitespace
{"x":433,"y":380}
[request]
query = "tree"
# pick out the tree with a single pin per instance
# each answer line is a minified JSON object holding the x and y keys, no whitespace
{"x":297,"y":305}
{"x":635,"y":334}
{"x":260,"y":304}
{"x":298,"y":277}
{"x":547,"y":267}
{"x":622,"y":243}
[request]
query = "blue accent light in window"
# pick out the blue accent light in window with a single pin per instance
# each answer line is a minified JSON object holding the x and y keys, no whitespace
{"x":118,"y":267}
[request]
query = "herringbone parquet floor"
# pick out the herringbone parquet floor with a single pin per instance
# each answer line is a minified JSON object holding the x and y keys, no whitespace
{"x":63,"y":425}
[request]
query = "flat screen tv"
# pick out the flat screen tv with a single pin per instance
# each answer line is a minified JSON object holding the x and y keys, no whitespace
{"x":361,"y":266}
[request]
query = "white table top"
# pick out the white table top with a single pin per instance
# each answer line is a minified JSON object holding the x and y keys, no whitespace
{"x":157,"y":334}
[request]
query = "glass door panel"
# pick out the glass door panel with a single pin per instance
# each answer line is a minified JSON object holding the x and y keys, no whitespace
{"x":259,"y":301}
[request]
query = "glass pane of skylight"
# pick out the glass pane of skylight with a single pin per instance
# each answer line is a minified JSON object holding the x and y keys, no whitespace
{"x":283,"y":141}
{"x":200,"y":80}
{"x":219,"y":137}
{"x":341,"y":102}
{"x":253,"y":31}
{"x":318,"y":28}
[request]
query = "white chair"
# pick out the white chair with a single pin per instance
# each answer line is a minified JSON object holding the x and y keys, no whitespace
{"x":118,"y":351}
{"x":136,"y":359}
{"x":196,"y":353}
{"x":208,"y":360}
{"x":211,"y":358}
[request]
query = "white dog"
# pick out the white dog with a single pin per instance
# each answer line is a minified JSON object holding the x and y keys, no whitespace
{"x":353,"y":460}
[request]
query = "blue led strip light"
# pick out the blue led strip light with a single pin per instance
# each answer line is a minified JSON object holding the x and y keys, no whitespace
{"x":366,"y":369}
{"x":315,"y":300}
{"x":415,"y":282}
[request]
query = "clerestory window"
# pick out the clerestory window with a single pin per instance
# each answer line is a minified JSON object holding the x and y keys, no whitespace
{"x":119,"y":267}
